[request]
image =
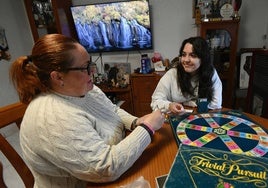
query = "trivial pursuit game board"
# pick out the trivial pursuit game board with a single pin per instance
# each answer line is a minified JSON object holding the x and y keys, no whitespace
{"x":228,"y":131}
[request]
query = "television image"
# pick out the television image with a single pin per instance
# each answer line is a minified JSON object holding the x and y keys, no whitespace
{"x":115,"y":26}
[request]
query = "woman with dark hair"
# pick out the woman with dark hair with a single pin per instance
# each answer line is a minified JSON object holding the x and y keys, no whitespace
{"x":71,"y":132}
{"x":193,"y":77}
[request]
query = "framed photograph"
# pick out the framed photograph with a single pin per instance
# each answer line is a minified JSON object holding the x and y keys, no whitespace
{"x":118,"y":72}
{"x":205,"y":6}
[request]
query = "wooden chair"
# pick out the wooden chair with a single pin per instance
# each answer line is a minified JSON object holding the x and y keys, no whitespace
{"x":2,"y":183}
{"x":8,"y":115}
{"x":240,"y":92}
{"x":243,"y":65}
{"x":257,"y":95}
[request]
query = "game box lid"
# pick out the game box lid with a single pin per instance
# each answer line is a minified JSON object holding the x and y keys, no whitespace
{"x":195,"y":167}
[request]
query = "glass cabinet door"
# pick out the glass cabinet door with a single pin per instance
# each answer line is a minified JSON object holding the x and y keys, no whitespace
{"x":219,"y":42}
{"x":43,"y":17}
{"x":50,"y":16}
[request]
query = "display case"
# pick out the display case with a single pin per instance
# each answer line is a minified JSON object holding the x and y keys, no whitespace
{"x":222,"y":37}
{"x":50,"y":16}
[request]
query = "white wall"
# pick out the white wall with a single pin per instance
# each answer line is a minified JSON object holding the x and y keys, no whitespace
{"x":172,"y":23}
{"x":13,"y":19}
{"x":254,"y":23}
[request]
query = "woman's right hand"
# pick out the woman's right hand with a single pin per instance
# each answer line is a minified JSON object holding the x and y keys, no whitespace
{"x":155,"y":120}
{"x":176,"y":108}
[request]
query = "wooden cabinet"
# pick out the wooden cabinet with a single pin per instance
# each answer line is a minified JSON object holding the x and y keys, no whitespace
{"x":121,"y":96}
{"x":224,"y":53}
{"x":143,"y":86}
{"x":50,"y":16}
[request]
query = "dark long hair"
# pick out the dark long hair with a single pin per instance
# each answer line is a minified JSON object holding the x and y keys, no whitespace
{"x":31,"y":74}
{"x":205,"y":71}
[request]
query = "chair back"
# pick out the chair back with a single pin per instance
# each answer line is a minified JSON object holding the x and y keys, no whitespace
{"x":10,"y":114}
{"x":257,"y":95}
{"x":2,"y":183}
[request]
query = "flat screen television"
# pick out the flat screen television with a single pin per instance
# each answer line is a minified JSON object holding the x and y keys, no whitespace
{"x":114,"y":26}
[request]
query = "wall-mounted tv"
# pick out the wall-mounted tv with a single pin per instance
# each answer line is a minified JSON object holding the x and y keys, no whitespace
{"x":115,"y":26}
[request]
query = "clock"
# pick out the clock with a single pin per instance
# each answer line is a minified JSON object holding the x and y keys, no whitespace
{"x":226,"y":11}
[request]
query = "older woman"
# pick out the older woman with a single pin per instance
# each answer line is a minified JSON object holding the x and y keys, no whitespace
{"x":71,"y":132}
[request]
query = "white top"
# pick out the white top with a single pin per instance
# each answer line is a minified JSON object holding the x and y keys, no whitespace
{"x":65,"y":139}
{"x":167,"y":91}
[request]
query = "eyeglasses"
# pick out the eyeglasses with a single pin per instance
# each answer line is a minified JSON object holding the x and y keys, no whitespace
{"x":88,"y":68}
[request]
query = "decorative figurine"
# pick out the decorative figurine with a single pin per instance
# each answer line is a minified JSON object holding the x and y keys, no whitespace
{"x":236,"y":5}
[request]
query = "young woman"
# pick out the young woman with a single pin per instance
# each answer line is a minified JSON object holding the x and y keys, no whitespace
{"x":194,"y":77}
{"x":71,"y":132}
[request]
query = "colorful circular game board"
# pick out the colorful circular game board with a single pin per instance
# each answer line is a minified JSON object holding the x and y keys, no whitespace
{"x":229,"y":131}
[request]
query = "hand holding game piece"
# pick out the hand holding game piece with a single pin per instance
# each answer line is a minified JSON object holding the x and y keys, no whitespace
{"x":176,"y":108}
{"x":186,"y":111}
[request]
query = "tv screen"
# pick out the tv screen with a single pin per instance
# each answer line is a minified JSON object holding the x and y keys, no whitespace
{"x":115,"y":26}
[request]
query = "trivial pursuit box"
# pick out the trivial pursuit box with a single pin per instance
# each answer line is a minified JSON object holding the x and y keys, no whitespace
{"x":211,"y":168}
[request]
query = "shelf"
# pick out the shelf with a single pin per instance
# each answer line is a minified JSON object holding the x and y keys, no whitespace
{"x":105,"y":88}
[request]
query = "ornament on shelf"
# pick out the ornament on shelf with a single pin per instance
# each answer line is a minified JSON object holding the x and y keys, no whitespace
{"x":158,"y":62}
{"x":206,"y":9}
{"x":236,"y":5}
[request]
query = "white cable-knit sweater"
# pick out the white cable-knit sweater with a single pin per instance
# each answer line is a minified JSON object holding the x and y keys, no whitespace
{"x":67,"y":141}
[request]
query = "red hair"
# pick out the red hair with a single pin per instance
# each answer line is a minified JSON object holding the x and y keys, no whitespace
{"x":31,"y":74}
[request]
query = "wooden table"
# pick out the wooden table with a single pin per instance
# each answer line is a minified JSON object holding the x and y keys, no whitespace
{"x":157,"y":159}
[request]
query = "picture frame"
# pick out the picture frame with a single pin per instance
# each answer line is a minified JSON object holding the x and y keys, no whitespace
{"x":118,"y":72}
{"x":200,"y":4}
